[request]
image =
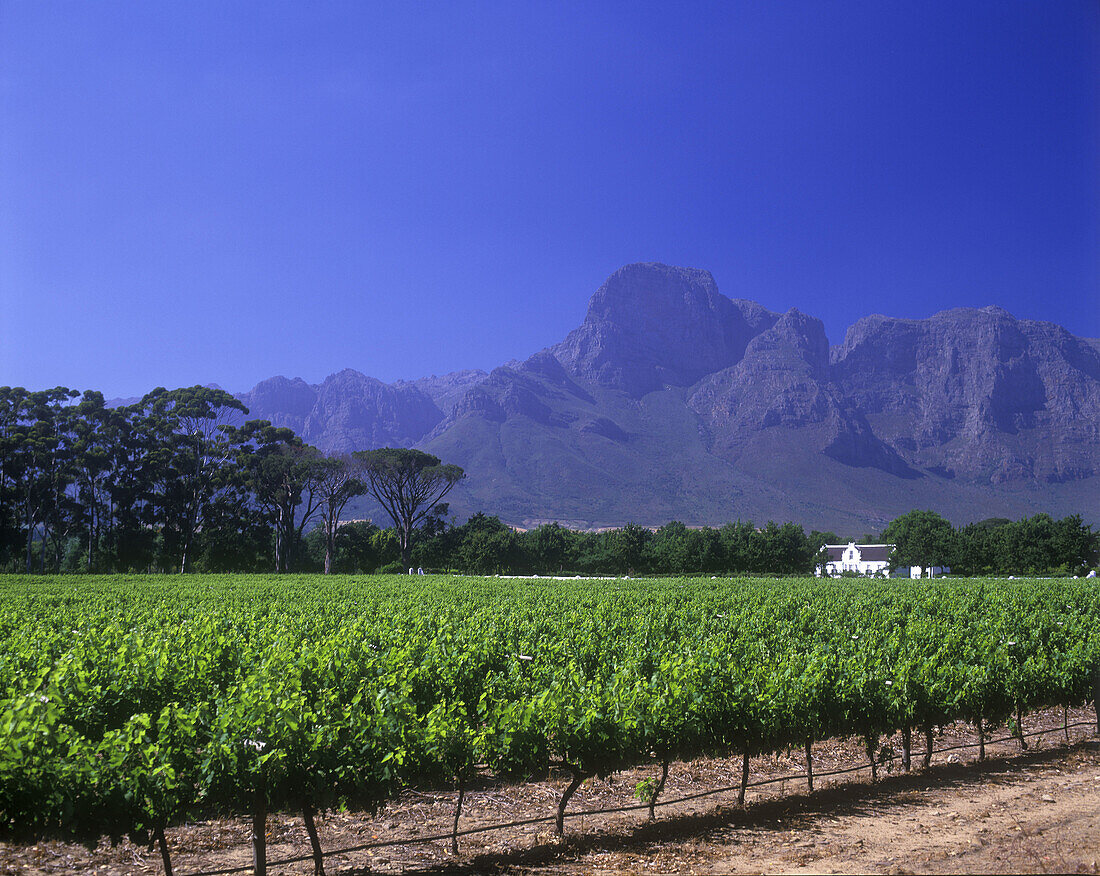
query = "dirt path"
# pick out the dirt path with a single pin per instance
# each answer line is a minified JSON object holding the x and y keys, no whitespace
{"x":1037,"y":811}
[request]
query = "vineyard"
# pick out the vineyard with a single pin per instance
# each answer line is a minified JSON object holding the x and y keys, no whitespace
{"x":131,"y":703}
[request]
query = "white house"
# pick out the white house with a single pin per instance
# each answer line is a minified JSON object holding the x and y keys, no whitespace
{"x":863,"y":559}
{"x":871,"y":560}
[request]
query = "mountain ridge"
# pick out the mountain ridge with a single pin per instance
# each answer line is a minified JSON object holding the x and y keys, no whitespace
{"x":671,"y":400}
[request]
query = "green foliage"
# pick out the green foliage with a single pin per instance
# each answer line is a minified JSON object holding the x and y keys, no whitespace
{"x":549,"y":548}
{"x":484,"y":545}
{"x":127,"y":703}
{"x":408,"y":484}
{"x":363,"y":547}
{"x":920,"y":538}
{"x":1036,"y":545}
{"x":645,"y":791}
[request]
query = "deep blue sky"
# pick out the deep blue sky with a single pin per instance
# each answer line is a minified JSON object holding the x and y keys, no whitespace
{"x":220,"y":192}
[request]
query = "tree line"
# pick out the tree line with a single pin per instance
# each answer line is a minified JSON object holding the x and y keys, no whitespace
{"x":484,"y":545}
{"x":181,"y":481}
{"x":1038,"y":545}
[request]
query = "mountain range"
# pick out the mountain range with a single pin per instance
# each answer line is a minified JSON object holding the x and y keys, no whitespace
{"x":672,"y":401}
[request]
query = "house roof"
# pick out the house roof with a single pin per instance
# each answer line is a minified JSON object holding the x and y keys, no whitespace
{"x":868,"y":553}
{"x":875,"y":553}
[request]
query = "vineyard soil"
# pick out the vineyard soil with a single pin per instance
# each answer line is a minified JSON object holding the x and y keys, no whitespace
{"x":1034,"y":811}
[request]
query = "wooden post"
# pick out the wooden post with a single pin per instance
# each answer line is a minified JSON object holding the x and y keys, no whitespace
{"x":906,"y":748}
{"x":1096,"y":696}
{"x":259,"y":832}
{"x":809,"y":769}
{"x":981,"y":739}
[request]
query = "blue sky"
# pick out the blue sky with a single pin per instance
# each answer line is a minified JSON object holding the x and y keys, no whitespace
{"x":221,"y":192}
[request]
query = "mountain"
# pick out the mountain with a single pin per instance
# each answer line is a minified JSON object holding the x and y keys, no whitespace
{"x":651,"y":326}
{"x":350,"y":411}
{"x":672,"y":401}
{"x":978,"y":394}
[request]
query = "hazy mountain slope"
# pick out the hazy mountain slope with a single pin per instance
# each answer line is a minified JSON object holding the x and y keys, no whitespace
{"x":347,"y":411}
{"x":547,"y":453}
{"x":448,"y":390}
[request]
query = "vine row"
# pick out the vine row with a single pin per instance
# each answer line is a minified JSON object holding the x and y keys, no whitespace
{"x":129,"y":703}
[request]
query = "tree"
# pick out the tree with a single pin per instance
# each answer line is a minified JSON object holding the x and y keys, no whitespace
{"x":736,"y":545}
{"x":669,"y":549}
{"x":920,"y":538}
{"x":483,"y":545}
{"x":980,"y":547}
{"x":627,"y":548}
{"x":363,"y":547}
{"x":193,"y":423}
{"x":92,"y":467}
{"x":819,"y":539}
{"x":548,"y":546}
{"x":338,"y":481}
{"x":782,"y":550}
{"x":282,"y":472}
{"x":1072,"y":544}
{"x":435,"y":541}
{"x":677,"y":550}
{"x":407,"y":484}
{"x":13,"y":400}
{"x":43,"y":466}
{"x":137,"y":460}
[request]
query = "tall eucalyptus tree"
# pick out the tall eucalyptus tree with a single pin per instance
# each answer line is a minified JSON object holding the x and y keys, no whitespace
{"x":194,"y":453}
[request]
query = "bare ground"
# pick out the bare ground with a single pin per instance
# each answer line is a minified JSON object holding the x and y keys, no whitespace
{"x":1035,"y":811}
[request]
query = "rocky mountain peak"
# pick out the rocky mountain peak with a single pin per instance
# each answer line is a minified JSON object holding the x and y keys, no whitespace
{"x":651,"y":325}
{"x":796,"y":340}
{"x":635,"y":290}
{"x":291,"y":399}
